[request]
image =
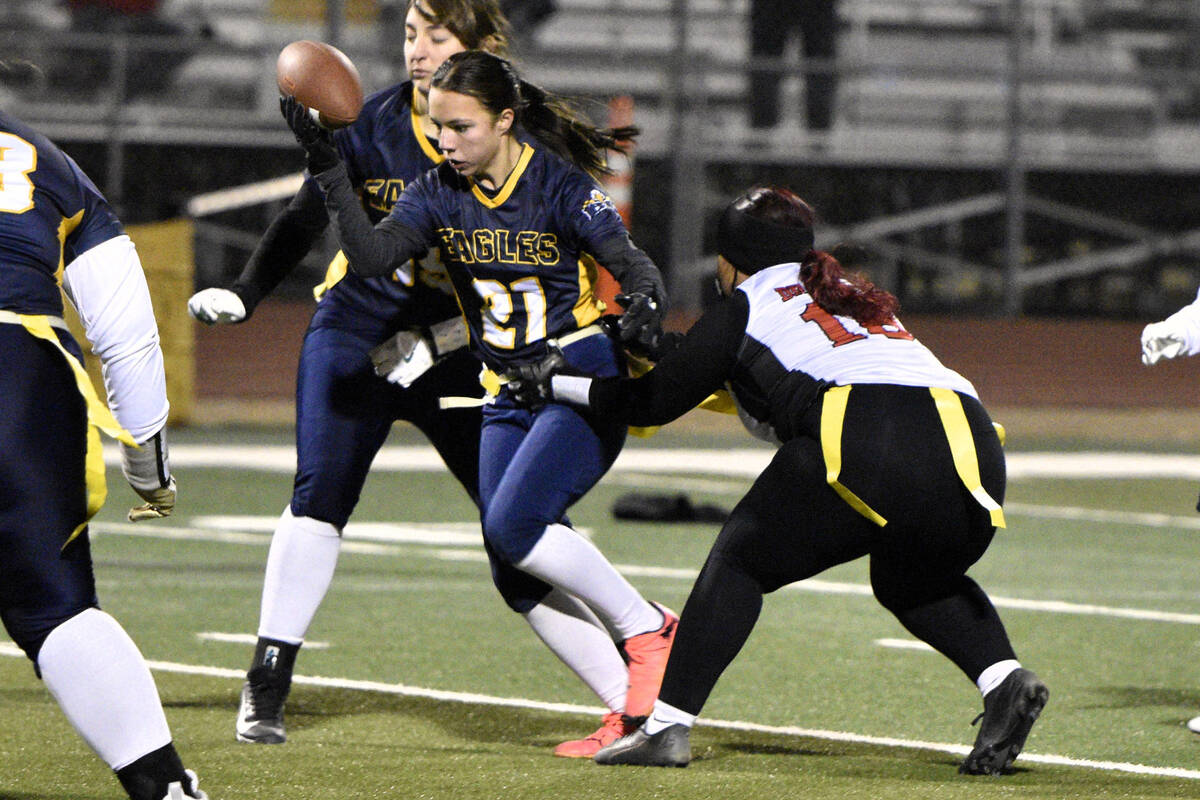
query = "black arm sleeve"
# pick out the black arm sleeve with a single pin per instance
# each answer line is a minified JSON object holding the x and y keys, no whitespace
{"x":632,"y":268}
{"x":287,"y":240}
{"x":700,"y":365}
{"x":372,"y":250}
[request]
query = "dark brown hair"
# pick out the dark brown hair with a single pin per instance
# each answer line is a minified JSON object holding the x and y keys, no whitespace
{"x":833,"y":289}
{"x":551,"y":120}
{"x":478,"y":24}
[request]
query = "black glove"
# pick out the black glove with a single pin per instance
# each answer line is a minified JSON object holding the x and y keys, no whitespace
{"x":529,"y":384}
{"x":639,"y":329}
{"x":316,"y":140}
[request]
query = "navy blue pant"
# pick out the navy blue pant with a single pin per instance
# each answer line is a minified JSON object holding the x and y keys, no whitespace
{"x":43,"y":493}
{"x":535,"y":464}
{"x":344,"y":412}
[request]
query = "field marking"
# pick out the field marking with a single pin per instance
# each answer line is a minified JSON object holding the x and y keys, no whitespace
{"x":476,"y":554}
{"x":11,"y":650}
{"x":905,"y":644}
{"x":250,"y":638}
{"x":744,"y":461}
{"x":1077,"y":514}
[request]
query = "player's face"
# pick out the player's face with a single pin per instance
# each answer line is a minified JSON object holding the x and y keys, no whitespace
{"x":469,"y":136}
{"x":426,"y":45}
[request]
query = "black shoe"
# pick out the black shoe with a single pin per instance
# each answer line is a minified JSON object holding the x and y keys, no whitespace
{"x":667,"y":748}
{"x":1009,"y":711}
{"x":260,"y":713}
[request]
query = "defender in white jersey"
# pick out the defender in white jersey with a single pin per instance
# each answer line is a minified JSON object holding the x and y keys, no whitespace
{"x":1177,"y":335}
{"x":884,"y":452}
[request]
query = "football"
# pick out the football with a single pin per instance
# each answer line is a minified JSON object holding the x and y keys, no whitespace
{"x":322,"y":78}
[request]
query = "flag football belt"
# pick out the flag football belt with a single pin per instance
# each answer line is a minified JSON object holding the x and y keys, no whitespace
{"x":958,"y":435}
{"x":493,"y":381}
{"x":99,"y":417}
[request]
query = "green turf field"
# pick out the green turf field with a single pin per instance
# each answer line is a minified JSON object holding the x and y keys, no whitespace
{"x":419,"y":683}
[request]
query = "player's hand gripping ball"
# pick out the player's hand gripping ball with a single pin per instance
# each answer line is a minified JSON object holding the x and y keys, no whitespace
{"x":322,"y":79}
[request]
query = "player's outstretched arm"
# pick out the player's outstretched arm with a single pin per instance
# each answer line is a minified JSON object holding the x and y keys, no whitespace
{"x":1177,"y":335}
{"x":286,"y":242}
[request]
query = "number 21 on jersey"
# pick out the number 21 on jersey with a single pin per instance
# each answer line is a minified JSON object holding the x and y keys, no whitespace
{"x":18,"y":158}
{"x":501,"y":322}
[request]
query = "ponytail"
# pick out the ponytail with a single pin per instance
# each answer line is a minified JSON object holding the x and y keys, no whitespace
{"x":847,"y":295}
{"x":769,"y":225}
{"x":556,"y":123}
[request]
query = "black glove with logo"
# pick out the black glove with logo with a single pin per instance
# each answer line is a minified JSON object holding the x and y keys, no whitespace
{"x":316,"y":140}
{"x":639,"y":329}
{"x":529,"y":384}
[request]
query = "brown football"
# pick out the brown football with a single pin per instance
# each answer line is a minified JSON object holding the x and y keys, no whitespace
{"x":322,"y":78}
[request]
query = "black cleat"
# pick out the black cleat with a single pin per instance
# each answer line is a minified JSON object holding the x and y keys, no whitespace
{"x":260,"y":713}
{"x":667,"y":748}
{"x":1009,"y":712}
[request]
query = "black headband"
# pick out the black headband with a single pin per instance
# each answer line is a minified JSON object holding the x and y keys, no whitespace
{"x":752,"y":243}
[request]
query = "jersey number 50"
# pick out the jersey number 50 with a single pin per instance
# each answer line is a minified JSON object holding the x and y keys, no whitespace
{"x":500,"y":321}
{"x":18,"y":158}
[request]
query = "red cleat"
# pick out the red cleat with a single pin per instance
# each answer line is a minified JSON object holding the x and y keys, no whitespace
{"x":647,"y":655}
{"x":615,"y":726}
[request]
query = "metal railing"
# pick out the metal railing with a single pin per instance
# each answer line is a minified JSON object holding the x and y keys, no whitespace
{"x":945,"y":85}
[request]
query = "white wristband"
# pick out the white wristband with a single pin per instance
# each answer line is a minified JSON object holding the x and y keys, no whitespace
{"x":572,"y":389}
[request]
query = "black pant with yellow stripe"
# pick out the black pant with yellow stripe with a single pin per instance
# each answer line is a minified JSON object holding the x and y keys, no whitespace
{"x":43,"y":494}
{"x":882,"y":472}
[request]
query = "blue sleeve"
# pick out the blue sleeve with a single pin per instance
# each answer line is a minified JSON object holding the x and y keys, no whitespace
{"x":99,"y":223}
{"x":588,"y":212}
{"x":372,"y":250}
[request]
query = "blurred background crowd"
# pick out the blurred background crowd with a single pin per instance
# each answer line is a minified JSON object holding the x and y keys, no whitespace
{"x":1015,"y":157}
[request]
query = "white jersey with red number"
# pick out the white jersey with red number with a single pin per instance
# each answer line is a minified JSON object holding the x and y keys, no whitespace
{"x":804,"y":337}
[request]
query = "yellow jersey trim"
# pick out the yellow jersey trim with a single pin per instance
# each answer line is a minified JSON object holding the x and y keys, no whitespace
{"x":65,"y":227}
{"x":510,"y":184}
{"x":427,"y":147}
{"x":587,"y":307}
{"x":339,"y":265}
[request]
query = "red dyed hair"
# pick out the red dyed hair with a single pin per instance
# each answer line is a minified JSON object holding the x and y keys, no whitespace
{"x":833,"y":289}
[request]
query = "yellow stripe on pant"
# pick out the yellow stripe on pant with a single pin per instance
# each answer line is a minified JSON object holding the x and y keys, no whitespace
{"x":99,"y":419}
{"x":833,"y":415}
{"x":958,"y":435}
{"x":962,"y":447}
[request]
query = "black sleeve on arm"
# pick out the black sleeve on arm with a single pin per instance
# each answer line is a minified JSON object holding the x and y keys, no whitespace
{"x":632,"y":268}
{"x":372,"y":250}
{"x":700,"y":365}
{"x":287,"y":240}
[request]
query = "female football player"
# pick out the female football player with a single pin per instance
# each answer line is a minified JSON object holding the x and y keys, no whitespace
{"x":883,"y":452}
{"x":514,"y":211}
{"x":52,"y":468}
{"x":344,"y":410}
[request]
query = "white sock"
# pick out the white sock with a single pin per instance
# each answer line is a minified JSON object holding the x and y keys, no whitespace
{"x":102,"y":683}
{"x":580,"y":640}
{"x":565,"y":559}
{"x":300,"y":565}
{"x":994,"y":675}
{"x":664,"y":716}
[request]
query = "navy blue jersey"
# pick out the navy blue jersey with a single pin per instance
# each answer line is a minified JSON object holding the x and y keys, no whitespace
{"x":50,"y":212}
{"x":383,"y":151}
{"x":516,"y":256}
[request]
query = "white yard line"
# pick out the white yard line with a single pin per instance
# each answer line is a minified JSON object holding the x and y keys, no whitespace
{"x":412,"y":535}
{"x":9,"y":649}
{"x":746,"y":462}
